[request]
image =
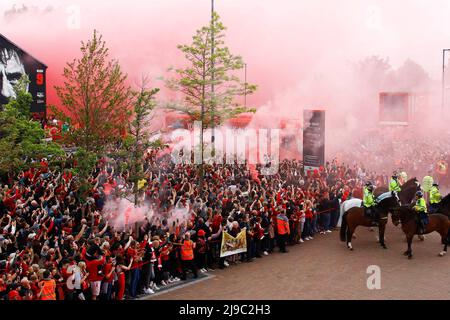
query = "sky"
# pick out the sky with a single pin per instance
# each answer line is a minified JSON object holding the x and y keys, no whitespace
{"x":298,"y":52}
{"x":278,"y":39}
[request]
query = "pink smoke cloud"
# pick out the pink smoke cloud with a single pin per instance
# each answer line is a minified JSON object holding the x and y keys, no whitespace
{"x":300,"y":53}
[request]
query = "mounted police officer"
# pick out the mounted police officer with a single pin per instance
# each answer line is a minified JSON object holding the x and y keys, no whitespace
{"x":394,"y":185}
{"x":369,"y":202}
{"x":421,"y":209}
{"x":435,"y":198}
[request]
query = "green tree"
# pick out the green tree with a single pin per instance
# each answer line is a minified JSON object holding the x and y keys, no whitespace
{"x":85,"y":162}
{"x":144,"y":104}
{"x":22,"y":139}
{"x":210,"y":62}
{"x":95,"y":96}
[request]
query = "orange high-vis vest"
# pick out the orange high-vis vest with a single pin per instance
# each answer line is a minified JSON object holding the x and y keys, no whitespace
{"x":187,"y":250}
{"x":282,"y":226}
{"x":48,"y":290}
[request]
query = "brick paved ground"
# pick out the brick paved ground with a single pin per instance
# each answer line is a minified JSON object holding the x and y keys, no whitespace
{"x":325,"y":269}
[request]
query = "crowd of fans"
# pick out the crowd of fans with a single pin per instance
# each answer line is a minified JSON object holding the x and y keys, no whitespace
{"x":57,"y":244}
{"x":54,"y":245}
{"x":404,"y":149}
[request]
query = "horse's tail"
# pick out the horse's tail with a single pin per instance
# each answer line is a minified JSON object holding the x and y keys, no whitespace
{"x":343,"y":231}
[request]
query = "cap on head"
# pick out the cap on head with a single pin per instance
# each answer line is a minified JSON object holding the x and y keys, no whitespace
{"x":201,"y":233}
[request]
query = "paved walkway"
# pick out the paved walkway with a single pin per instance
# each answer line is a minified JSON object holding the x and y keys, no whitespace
{"x":324,"y":269}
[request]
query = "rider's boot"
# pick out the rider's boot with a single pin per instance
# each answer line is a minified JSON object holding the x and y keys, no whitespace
{"x":375,"y":219}
{"x":421,"y":229}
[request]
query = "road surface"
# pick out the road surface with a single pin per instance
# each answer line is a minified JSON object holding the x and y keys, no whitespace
{"x":324,"y":269}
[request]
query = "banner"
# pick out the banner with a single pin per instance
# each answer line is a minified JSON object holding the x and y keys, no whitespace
{"x":231,"y":245}
{"x":313,"y":139}
{"x":394,"y":108}
{"x":14,"y":63}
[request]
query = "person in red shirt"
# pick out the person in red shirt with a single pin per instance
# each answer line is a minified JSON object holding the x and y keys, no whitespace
{"x":307,"y":229}
{"x":93,"y":267}
{"x":65,"y":275}
{"x":200,"y":251}
{"x":108,"y":271}
{"x":120,"y":271}
{"x":34,"y":285}
{"x":216,"y":222}
{"x":134,"y":252}
{"x":14,"y":295}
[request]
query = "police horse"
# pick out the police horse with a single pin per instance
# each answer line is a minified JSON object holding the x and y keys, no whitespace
{"x":408,"y":218}
{"x":356,"y":216}
{"x":407,"y":192}
{"x":444,"y":206}
{"x":406,"y":196}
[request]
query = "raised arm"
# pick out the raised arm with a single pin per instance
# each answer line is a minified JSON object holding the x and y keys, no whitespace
{"x":80,"y":234}
{"x":128,"y":243}
{"x":127,"y":268}
{"x":104,"y":229}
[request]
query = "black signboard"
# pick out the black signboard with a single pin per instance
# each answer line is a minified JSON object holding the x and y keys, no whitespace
{"x":394,"y":108}
{"x":313,"y":139}
{"x":14,"y":63}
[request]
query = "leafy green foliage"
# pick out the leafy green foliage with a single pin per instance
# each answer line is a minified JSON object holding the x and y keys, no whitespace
{"x":22,"y":139}
{"x":205,"y":69}
{"x":95,"y":97}
{"x":139,"y":141}
{"x":85,"y":162}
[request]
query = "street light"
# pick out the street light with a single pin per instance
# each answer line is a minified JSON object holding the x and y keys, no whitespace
{"x":245,"y":85}
{"x":443,"y":79}
{"x":202,"y":146}
{"x":212,"y":77}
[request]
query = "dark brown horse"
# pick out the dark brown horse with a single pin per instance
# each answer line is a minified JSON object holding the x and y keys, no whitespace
{"x":407,"y":193}
{"x":355,"y":217}
{"x":444,"y":206}
{"x":408,"y":218}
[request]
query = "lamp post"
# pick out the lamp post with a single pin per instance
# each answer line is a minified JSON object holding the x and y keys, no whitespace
{"x":202,"y":145}
{"x":245,"y":85}
{"x":213,"y":102}
{"x":443,"y":80}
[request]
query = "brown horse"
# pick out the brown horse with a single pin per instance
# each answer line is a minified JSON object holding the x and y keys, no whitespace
{"x":407,"y":193}
{"x":444,"y":206}
{"x":408,"y":218}
{"x":355,"y":217}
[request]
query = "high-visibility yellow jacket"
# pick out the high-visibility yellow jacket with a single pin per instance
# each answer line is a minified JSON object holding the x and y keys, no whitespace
{"x":435,"y":195}
{"x":394,"y":186}
{"x":368,"y":200}
{"x":421,"y":205}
